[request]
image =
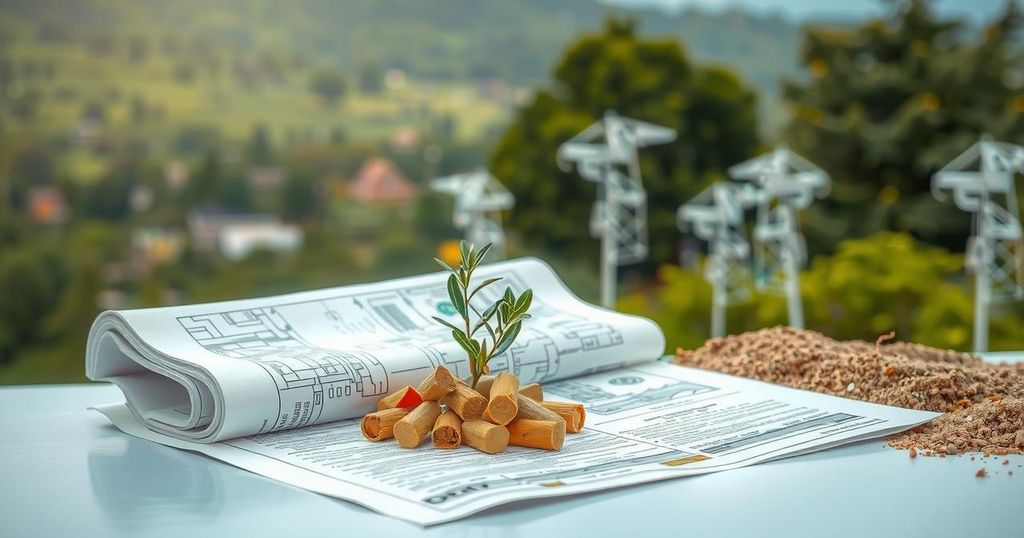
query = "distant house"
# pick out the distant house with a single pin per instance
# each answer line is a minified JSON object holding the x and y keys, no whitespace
{"x":47,"y":205}
{"x":235,"y":236}
{"x":176,"y":174}
{"x":266,"y":178}
{"x":157,"y":246}
{"x":405,"y":139}
{"x":238,"y":240}
{"x":379,"y":181}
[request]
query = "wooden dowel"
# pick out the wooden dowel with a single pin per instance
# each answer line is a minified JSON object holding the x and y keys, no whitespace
{"x":483,"y":385}
{"x":532,"y":390}
{"x":380,"y":425}
{"x":437,"y":384}
{"x":503,"y":405}
{"x":484,"y":436}
{"x":573,"y":414}
{"x":468,"y":403}
{"x":448,"y":430}
{"x":545,"y":434}
{"x":532,"y":409}
{"x":405,"y":397}
{"x":412,"y":428}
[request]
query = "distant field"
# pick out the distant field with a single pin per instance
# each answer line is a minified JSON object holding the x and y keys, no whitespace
{"x":217,"y":99}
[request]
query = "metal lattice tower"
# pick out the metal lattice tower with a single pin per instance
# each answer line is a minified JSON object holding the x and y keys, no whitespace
{"x":981,"y":180}
{"x":716,"y":216}
{"x":479,"y":200}
{"x":606,"y":153}
{"x":785,"y":183}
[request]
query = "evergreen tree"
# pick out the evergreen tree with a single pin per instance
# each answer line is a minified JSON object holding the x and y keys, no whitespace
{"x":888,"y":103}
{"x":641,"y":78}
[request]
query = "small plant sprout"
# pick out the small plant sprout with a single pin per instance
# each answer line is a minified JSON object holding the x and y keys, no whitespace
{"x":491,"y":331}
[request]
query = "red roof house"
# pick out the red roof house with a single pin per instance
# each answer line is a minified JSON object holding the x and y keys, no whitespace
{"x":379,"y":181}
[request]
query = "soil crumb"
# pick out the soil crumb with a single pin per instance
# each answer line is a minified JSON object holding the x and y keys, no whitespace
{"x":983,"y":402}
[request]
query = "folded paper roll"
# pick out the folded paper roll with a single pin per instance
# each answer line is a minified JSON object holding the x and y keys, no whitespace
{"x":532,"y":409}
{"x":380,"y":425}
{"x":468,"y":403}
{"x":412,"y":428}
{"x":503,"y":405}
{"x":484,"y":436}
{"x":532,"y":390}
{"x":437,"y":384}
{"x":545,"y":434}
{"x":573,"y":414}
{"x":448,"y":430}
{"x":405,"y":397}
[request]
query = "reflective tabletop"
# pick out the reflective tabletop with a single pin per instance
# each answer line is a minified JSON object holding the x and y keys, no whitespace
{"x":65,"y":471}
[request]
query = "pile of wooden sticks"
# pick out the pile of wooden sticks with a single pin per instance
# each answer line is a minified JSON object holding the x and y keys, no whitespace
{"x":498,"y":413}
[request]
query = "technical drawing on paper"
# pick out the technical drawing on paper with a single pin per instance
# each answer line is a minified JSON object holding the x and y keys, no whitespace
{"x":555,"y":477}
{"x":623,"y":390}
{"x":319,"y":350}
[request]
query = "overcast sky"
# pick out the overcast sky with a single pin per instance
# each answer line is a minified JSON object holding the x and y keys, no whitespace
{"x":800,"y":10}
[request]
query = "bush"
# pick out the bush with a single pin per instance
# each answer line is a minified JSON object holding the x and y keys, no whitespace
{"x":885,"y":282}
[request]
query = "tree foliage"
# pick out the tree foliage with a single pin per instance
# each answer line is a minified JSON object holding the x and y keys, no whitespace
{"x":328,"y":85}
{"x":891,"y":101}
{"x":646,"y":79}
{"x":870,"y":286}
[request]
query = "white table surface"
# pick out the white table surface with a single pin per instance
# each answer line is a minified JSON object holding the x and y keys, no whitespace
{"x":65,"y":471}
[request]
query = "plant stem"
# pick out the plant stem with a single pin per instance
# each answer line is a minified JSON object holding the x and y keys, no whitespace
{"x":472,"y":360}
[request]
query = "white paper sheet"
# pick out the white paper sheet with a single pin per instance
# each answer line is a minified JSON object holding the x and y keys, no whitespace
{"x":217,"y":371}
{"x":646,"y":422}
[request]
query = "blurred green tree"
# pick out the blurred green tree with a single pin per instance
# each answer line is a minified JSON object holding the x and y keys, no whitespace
{"x":327,"y":85}
{"x":31,"y":282}
{"x":647,"y":79}
{"x":891,"y":101}
{"x":870,"y":286}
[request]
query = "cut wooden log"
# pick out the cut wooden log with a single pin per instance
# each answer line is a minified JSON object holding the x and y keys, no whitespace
{"x":532,"y":390}
{"x":503,"y":404}
{"x":484,"y":436}
{"x":405,"y":397}
{"x":545,"y":434}
{"x":573,"y":414}
{"x":468,"y":403}
{"x":437,"y":384}
{"x":447,"y":430}
{"x":532,"y":409}
{"x":412,"y":428}
{"x":380,"y":425}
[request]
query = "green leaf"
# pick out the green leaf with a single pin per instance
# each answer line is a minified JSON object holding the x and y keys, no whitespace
{"x":490,"y":311}
{"x":466,"y":343}
{"x":464,"y":251}
{"x":483,"y":252}
{"x":504,"y":311}
{"x":483,"y":323}
{"x":484,"y":284}
{"x":455,"y":294}
{"x":507,"y":339}
{"x":509,"y":297}
{"x":445,"y":265}
{"x":517,"y":318}
{"x":446,"y":324}
{"x":524,"y":301}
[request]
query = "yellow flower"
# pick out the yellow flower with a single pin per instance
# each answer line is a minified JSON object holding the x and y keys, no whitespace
{"x":449,"y":252}
{"x":818,"y":67}
{"x":889,"y":195}
{"x":930,"y":101}
{"x":1018,"y":103}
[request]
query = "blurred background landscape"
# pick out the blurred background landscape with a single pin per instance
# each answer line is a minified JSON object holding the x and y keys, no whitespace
{"x":166,"y":152}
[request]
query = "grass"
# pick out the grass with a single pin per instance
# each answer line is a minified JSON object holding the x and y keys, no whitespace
{"x":220,"y":101}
